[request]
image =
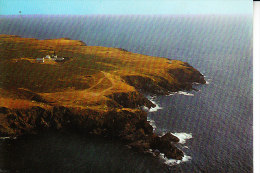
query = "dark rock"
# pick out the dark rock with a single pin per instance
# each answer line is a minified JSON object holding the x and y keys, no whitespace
{"x":166,"y":147}
{"x":129,"y":126}
{"x":148,"y":128}
{"x":4,"y":110}
{"x":170,"y":137}
{"x":187,"y":77}
{"x":140,"y":145}
{"x":145,"y":84}
{"x":131,"y":100}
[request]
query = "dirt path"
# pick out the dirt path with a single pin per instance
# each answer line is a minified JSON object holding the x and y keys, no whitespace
{"x":111,"y":79}
{"x":99,"y":81}
{"x":106,"y":76}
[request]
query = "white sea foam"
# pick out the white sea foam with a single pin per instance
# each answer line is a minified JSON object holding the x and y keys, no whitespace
{"x":152,"y":123}
{"x":185,"y":93}
{"x":181,"y":93}
{"x":153,"y":109}
{"x":172,"y":93}
{"x":157,"y":107}
{"x":172,"y":162}
{"x":3,"y":138}
{"x":208,"y":81}
{"x":145,"y":108}
{"x":183,"y":137}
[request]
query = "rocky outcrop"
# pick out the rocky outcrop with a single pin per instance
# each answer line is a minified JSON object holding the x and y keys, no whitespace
{"x":131,"y":127}
{"x":16,"y":122}
{"x":131,"y":100}
{"x":186,"y":77}
{"x":170,"y":137}
{"x":147,"y":85}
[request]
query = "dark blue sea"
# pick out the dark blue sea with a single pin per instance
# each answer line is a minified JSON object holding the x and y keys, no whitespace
{"x":216,"y":121}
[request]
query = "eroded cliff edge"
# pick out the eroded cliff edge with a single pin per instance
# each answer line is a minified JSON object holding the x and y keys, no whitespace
{"x":97,"y":90}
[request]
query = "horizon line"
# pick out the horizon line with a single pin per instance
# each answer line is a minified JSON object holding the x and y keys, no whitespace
{"x":195,"y":14}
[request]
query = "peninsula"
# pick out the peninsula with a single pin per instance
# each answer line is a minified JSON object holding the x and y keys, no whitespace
{"x":93,"y":89}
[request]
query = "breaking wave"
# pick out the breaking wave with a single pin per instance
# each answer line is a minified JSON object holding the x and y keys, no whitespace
{"x":151,"y":122}
{"x":153,"y":109}
{"x":181,"y":93}
{"x":207,"y":82}
{"x":156,"y":108}
{"x":172,"y":162}
{"x":183,"y":137}
{"x":185,"y":93}
{"x":5,"y":138}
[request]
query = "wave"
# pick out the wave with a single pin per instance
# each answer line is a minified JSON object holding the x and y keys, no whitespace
{"x":4,"y":138}
{"x":171,"y":94}
{"x":172,"y":162}
{"x":183,"y":137}
{"x":153,"y":109}
{"x":185,"y":93}
{"x":181,"y":93}
{"x":156,"y":108}
{"x":208,"y":82}
{"x":152,"y":123}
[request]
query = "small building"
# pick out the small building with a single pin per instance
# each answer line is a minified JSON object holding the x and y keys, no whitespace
{"x":59,"y":59}
{"x":47,"y":57}
{"x":54,"y":57}
{"x":40,"y":60}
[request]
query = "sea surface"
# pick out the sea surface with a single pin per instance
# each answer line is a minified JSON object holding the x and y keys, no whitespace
{"x":215,"y":123}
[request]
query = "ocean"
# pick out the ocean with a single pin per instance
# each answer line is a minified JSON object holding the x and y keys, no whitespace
{"x":214,"y":123}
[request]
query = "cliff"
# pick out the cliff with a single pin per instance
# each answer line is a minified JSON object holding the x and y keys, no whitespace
{"x":97,"y":90}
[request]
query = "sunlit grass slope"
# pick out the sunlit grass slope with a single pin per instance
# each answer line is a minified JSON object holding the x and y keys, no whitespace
{"x":86,"y":79}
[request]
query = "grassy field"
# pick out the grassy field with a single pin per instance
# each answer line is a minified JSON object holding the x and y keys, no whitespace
{"x":89,"y":75}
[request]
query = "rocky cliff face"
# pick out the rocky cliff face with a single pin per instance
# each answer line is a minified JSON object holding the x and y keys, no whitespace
{"x":130,"y":126}
{"x":184,"y":80}
{"x":147,"y":85}
{"x":187,"y":77}
{"x":131,"y":100}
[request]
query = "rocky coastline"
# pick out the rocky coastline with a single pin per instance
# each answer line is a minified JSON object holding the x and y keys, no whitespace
{"x":120,"y":122}
{"x":122,"y":118}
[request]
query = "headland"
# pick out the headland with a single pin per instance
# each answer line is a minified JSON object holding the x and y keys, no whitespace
{"x":92,"y":89}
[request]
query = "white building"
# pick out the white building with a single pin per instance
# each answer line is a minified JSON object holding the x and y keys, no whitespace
{"x":59,"y":59}
{"x":47,"y":57}
{"x":40,"y":60}
{"x":54,"y":57}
